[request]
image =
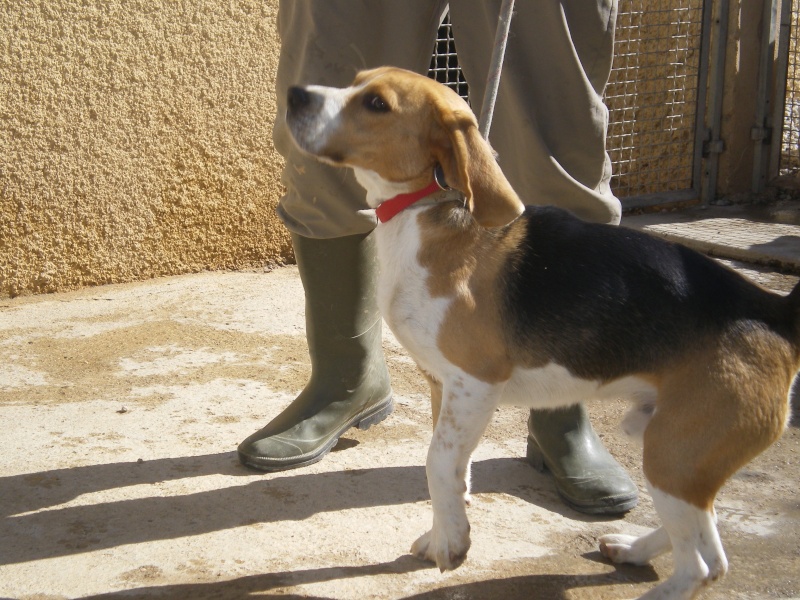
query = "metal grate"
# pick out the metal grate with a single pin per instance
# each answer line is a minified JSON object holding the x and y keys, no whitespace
{"x":651,"y":95}
{"x":790,"y":142}
{"x":444,"y":66}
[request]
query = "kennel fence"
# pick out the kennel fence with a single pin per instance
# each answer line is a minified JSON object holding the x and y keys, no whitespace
{"x":652,"y":96}
{"x":789,"y":161}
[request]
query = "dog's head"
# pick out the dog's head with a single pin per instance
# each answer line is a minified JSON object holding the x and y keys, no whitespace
{"x":399,"y":126}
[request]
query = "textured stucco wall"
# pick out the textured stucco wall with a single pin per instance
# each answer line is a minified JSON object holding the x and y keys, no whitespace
{"x":135,"y":140}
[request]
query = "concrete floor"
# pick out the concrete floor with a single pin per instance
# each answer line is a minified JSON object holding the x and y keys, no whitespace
{"x":121,"y":409}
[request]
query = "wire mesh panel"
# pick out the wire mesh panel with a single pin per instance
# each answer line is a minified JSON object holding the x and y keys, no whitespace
{"x":444,"y":61}
{"x":790,"y":142}
{"x":652,"y":96}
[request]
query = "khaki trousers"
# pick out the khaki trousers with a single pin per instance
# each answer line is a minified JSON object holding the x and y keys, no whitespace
{"x":549,"y":123}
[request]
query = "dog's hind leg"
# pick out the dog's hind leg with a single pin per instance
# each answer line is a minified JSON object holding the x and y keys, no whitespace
{"x":467,"y":407}
{"x":715,"y":411}
{"x":696,"y":548}
{"x":691,"y":533}
{"x":683,"y":477}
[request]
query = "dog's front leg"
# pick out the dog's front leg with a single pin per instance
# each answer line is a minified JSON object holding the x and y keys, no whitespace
{"x":467,"y":408}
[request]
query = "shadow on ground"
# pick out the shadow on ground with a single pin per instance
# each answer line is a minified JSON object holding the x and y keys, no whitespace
{"x":36,"y":525}
{"x":550,"y":586}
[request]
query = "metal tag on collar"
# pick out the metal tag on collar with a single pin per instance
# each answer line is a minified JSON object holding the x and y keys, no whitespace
{"x":450,"y":194}
{"x":438,"y":177}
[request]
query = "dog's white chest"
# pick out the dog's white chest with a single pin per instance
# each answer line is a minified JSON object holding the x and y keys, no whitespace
{"x":413,"y":315}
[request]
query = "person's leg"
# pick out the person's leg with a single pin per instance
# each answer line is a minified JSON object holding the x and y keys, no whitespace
{"x":326,"y":42}
{"x":549,"y":130}
{"x":349,"y":384}
{"x":550,"y":121}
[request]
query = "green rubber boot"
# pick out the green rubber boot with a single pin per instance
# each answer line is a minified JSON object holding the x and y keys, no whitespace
{"x":587,"y":477}
{"x":349,"y":384}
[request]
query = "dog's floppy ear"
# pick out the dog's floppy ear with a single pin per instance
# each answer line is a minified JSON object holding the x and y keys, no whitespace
{"x":470,"y":167}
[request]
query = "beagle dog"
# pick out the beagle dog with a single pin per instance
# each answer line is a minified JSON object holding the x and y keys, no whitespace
{"x":499,"y":302}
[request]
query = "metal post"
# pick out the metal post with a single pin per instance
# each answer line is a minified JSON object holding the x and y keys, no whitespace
{"x":781,"y":74}
{"x":496,"y":67}
{"x":702,"y":134}
{"x":761,"y":132}
{"x":714,"y":144}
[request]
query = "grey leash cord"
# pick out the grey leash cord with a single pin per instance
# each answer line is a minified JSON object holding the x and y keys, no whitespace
{"x":495,"y":67}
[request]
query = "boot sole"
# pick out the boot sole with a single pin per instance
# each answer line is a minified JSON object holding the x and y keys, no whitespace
{"x":363,"y":421}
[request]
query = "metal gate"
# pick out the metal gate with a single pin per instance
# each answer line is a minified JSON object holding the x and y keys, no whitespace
{"x":655,"y":137}
{"x":788,"y":159}
{"x":444,"y":61}
{"x":652,"y":97}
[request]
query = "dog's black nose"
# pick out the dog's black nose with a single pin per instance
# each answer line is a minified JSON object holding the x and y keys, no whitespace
{"x":298,"y":98}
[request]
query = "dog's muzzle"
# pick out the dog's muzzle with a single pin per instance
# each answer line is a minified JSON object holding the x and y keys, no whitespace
{"x":309,"y":114}
{"x":298,"y":99}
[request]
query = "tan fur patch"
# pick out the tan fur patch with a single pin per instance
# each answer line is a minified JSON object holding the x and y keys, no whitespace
{"x":717,"y":410}
{"x":464,"y":262}
{"x":436,"y":396}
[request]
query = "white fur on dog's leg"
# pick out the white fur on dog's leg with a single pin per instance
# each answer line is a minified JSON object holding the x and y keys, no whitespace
{"x":468,"y":483}
{"x":696,"y":548}
{"x":420,"y":547}
{"x":434,"y":547}
{"x":634,"y":550}
{"x":712,"y":551}
{"x":446,"y":546}
{"x":467,"y":407}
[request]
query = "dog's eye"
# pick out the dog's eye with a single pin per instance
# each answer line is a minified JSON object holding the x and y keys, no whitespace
{"x":375,"y":103}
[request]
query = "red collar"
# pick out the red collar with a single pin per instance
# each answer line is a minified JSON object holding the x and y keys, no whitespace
{"x":391,"y":207}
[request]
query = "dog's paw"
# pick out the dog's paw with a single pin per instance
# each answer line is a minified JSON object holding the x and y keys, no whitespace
{"x":448,"y":554}
{"x":635,"y":550}
{"x":717,"y":569}
{"x":617,"y":548}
